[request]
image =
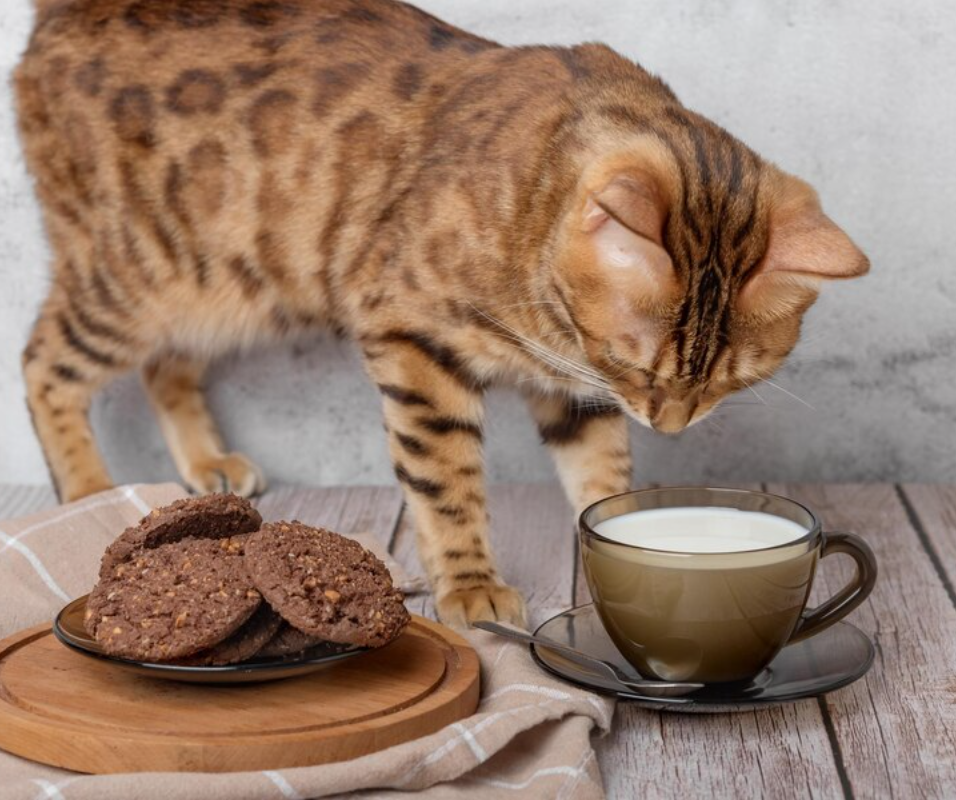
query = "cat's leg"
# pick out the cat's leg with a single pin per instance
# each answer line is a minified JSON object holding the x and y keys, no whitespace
{"x":589,"y":443}
{"x":71,"y":354}
{"x":174,"y":386}
{"x":433,"y":415}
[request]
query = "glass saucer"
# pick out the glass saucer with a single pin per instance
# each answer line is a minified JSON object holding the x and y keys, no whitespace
{"x":825,"y":662}
{"x":68,"y":628}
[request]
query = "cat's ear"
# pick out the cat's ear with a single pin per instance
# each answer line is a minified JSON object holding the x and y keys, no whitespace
{"x":624,"y":221}
{"x":804,"y":248}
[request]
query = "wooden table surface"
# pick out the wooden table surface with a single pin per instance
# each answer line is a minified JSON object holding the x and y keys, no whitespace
{"x":892,"y":734}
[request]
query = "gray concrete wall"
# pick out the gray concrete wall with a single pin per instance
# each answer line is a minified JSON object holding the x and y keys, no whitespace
{"x":857,"y":97}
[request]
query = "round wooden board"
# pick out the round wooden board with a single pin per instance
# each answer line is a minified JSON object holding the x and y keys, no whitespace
{"x":61,"y":708}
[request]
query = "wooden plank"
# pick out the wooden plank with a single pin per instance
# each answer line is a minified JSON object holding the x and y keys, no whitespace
{"x":932,"y":512}
{"x":20,"y":501}
{"x":773,"y":752}
{"x":348,"y":509}
{"x":896,"y":729}
{"x":776,"y":752}
{"x":532,"y":538}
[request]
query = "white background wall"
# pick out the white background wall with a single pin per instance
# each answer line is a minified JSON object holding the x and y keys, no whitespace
{"x":857,"y":97}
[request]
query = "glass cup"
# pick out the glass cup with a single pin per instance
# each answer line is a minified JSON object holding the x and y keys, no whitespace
{"x":716,"y":616}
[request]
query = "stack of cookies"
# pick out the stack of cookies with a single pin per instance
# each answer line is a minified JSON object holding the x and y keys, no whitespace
{"x":203,"y":582}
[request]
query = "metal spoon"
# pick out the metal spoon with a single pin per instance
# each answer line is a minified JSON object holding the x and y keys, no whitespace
{"x":605,"y":669}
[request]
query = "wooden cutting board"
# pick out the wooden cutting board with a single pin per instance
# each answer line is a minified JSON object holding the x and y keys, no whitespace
{"x":65,"y":709}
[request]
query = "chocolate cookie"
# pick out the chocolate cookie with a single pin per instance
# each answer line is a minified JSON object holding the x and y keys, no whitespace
{"x":173,"y":600}
{"x":212,"y":516}
{"x":245,"y":643}
{"x":325,"y":585}
{"x":289,"y":640}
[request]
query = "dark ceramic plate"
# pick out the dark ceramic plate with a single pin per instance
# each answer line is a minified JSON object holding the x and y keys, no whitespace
{"x":825,"y":662}
{"x":68,"y":628}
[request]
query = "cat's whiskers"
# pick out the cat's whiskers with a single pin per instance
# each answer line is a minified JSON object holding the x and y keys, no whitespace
{"x":568,"y":332}
{"x":528,"y":340}
{"x":627,"y":371}
{"x":525,"y":303}
{"x":594,"y":399}
{"x":709,"y":419}
{"x":731,"y":410}
{"x":554,"y":361}
{"x":565,"y":335}
{"x":787,"y":392}
{"x":548,"y":379}
{"x":756,"y":394}
{"x":563,"y":365}
{"x":558,"y":362}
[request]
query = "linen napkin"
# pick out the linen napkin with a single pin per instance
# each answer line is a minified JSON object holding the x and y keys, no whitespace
{"x":529,"y":737}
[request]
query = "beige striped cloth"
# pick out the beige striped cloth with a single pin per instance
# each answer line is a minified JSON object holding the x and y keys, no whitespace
{"x":531,"y":735}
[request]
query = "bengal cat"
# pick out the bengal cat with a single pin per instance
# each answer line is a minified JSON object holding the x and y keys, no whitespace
{"x":218,"y":173}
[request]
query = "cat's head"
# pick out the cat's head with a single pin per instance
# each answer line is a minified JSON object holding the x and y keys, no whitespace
{"x":686,"y":264}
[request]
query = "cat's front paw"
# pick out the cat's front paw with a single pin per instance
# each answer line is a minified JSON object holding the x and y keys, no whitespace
{"x":229,"y":473}
{"x":461,"y":607}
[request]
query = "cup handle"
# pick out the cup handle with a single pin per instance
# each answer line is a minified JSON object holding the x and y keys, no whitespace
{"x":818,"y":619}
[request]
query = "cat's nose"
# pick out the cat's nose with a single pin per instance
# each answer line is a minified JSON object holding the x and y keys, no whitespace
{"x":667,"y":415}
{"x":669,"y":422}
